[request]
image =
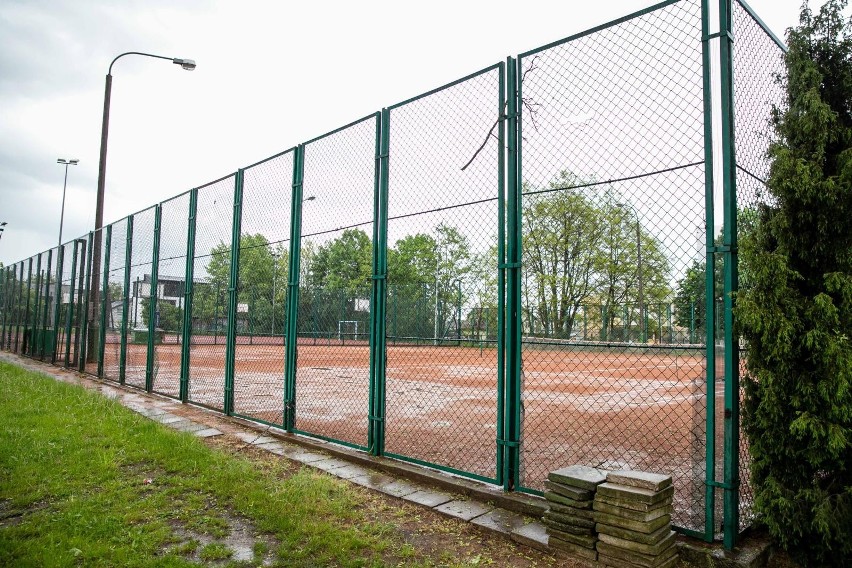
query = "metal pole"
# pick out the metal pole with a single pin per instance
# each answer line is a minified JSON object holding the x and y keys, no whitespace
{"x":62,"y":214}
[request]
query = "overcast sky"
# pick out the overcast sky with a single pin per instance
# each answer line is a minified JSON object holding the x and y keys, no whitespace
{"x":270,"y":75}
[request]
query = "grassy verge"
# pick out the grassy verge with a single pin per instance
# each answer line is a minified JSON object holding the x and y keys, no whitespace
{"x":84,"y":481}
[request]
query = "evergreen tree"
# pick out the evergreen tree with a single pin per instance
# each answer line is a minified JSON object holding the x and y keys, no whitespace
{"x":795,"y":311}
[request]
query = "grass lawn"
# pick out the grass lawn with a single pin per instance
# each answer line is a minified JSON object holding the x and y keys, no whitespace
{"x":85,"y":481}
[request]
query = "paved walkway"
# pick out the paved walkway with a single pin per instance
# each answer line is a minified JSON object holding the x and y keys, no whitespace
{"x":390,"y":478}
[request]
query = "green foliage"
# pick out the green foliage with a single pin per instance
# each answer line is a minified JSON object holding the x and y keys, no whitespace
{"x":796,"y":310}
{"x":581,"y":249}
{"x":171,"y":316}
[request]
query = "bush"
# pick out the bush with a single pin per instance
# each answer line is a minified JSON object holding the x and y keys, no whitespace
{"x":796,"y":312}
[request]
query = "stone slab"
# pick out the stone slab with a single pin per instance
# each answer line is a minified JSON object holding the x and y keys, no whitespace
{"x":573,"y":549}
{"x":569,"y":492}
{"x":643,"y":527}
{"x":350,"y":471}
{"x":258,"y":440}
{"x":636,"y":558}
{"x":584,"y":540}
{"x":304,"y":456}
{"x":570,"y":529}
{"x":187,"y":426}
{"x":168,"y":419}
{"x":580,"y":476}
{"x":644,"y":538}
{"x":329,"y":464}
{"x":499,"y":520}
{"x":604,"y":506}
{"x":586,"y":520}
{"x":274,"y":448}
{"x":641,"y":479}
{"x":532,"y":534}
{"x":634,"y":494}
{"x":649,"y":549}
{"x":463,"y":509}
{"x":560,"y":499}
{"x":571,"y":511}
{"x":372,"y":480}
{"x":550,"y":523}
{"x":399,"y":488}
{"x":621,"y":563}
{"x":207,"y":433}
{"x":429,"y":498}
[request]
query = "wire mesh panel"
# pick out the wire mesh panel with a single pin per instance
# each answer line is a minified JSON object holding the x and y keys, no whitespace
{"x":263,"y":289}
{"x":214,"y":219}
{"x":171,"y":284}
{"x":758,"y":87}
{"x":443,"y":224}
{"x":66,"y":305}
{"x":46,"y":338}
{"x":4,"y":305}
{"x":141,"y":264}
{"x":19,"y":299}
{"x":93,"y":331}
{"x":613,"y":214}
{"x":333,"y":326}
{"x":116,"y":296}
{"x":35,"y":300}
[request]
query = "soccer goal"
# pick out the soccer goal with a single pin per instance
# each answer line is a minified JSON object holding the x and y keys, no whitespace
{"x":347,"y":329}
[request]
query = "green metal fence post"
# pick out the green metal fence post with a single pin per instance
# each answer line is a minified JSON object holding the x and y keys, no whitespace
{"x":233,"y":283}
{"x":512,"y":422}
{"x":501,"y":271}
{"x":291,"y":332}
{"x":4,"y":274}
{"x":27,"y":331}
{"x":709,"y":284}
{"x":378,"y":303}
{"x":19,"y":317}
{"x":153,"y":294}
{"x":186,"y":332}
{"x":83,"y":315}
{"x":730,"y":256}
{"x":57,"y":302}
{"x":125,"y":307}
{"x":105,"y":303}
{"x":69,"y":312}
{"x":36,"y":333}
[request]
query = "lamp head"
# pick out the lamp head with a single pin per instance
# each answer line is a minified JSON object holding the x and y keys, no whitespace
{"x":71,"y":162}
{"x":187,"y":64}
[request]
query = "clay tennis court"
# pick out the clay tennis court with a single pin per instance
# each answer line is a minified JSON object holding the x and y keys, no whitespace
{"x":611,"y":407}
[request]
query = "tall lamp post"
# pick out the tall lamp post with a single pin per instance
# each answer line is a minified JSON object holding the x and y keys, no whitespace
{"x":187,"y":64}
{"x":2,"y":228}
{"x":639,"y":275}
{"x":66,"y":163}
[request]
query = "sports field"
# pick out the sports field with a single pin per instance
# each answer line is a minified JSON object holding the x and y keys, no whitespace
{"x":607,"y":406}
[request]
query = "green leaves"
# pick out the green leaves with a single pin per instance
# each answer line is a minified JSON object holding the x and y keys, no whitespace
{"x":794,"y":309}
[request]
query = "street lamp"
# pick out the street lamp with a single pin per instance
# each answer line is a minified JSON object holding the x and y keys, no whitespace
{"x":2,"y":228}
{"x":188,"y":65}
{"x":66,"y":163}
{"x":639,"y":271}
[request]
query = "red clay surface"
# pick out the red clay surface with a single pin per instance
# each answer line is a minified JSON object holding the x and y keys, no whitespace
{"x":606,"y":408}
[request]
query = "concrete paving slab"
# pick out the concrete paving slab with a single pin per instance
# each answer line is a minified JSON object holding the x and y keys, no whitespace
{"x":187,"y":426}
{"x":350,"y":471}
{"x":330,"y":464}
{"x":208,"y":433}
{"x":258,"y":440}
{"x":168,"y":419}
{"x":399,"y":488}
{"x":532,"y":534}
{"x":276,"y":449}
{"x":372,"y":480}
{"x":463,"y":509}
{"x":500,"y":520}
{"x":304,"y":456}
{"x":429,"y":498}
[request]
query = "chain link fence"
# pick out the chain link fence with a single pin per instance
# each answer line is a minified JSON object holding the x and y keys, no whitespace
{"x":759,"y":88}
{"x":514,"y":272}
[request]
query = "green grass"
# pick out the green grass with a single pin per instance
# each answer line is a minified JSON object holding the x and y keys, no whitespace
{"x":73,"y":491}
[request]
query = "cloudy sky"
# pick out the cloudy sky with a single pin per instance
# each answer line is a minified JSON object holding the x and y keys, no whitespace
{"x":270,"y":75}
